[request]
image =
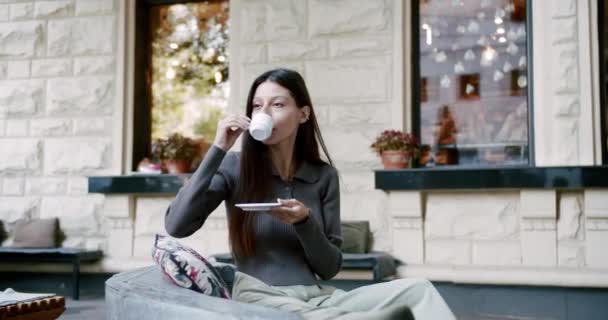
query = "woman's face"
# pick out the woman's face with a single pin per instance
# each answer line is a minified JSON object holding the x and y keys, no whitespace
{"x":276,"y":101}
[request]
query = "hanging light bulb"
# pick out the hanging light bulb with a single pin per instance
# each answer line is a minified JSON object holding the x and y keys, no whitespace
{"x":469,"y":55}
{"x":522,"y":81}
{"x":500,"y":12}
{"x":429,"y":33}
{"x":512,"y":49}
{"x":441,"y":57}
{"x":218,"y":77}
{"x":487,"y":56}
{"x":170,"y":74}
{"x":458,"y":67}
{"x":522,"y":62}
{"x":445,"y":81}
{"x":498,"y":75}
{"x":473,"y":27}
{"x":469,"y":88}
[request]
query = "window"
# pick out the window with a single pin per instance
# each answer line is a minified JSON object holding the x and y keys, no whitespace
{"x":603,"y":40}
{"x":471,"y":101}
{"x":181,"y":74}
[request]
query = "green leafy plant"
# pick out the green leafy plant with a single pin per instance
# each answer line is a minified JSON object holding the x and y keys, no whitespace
{"x":394,"y":140}
{"x":175,"y":147}
{"x":189,"y":62}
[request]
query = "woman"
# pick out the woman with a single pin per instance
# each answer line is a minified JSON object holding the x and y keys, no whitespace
{"x":281,"y":253}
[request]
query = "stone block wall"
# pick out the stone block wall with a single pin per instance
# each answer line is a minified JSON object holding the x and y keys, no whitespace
{"x":345,"y":50}
{"x":57,"y":102}
{"x":563,"y":84}
{"x":531,"y":236}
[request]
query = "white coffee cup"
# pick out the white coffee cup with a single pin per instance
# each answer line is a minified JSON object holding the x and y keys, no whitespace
{"x":260,"y":127}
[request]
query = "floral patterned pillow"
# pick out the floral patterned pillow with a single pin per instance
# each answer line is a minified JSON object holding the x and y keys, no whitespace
{"x":188,"y":269}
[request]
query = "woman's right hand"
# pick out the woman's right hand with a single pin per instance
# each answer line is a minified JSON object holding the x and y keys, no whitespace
{"x":229,"y":129}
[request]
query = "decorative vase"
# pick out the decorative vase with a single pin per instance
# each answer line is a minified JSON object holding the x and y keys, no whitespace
{"x":395,"y":159}
{"x":178,"y":166}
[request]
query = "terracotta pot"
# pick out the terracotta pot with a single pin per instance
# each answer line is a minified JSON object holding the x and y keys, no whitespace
{"x":178,"y":166}
{"x":395,"y":159}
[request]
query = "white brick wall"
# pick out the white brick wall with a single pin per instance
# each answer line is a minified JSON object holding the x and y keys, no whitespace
{"x":345,"y":51}
{"x":27,"y":38}
{"x":51,"y":67}
{"x":4,"y":12}
{"x":563,"y":76}
{"x":57,"y":98}
{"x":21,"y":97}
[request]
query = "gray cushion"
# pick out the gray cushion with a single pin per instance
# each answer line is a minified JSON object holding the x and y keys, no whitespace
{"x":36,"y":233}
{"x":147,"y":294}
{"x":356,"y":237}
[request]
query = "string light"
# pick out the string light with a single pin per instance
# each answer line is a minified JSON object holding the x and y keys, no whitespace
{"x":170,"y":74}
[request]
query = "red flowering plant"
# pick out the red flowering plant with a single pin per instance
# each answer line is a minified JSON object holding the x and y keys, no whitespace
{"x":396,"y":148}
{"x":395,"y":140}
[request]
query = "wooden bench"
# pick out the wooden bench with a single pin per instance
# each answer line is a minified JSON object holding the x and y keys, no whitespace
{"x":38,"y":309}
{"x":69,"y":255}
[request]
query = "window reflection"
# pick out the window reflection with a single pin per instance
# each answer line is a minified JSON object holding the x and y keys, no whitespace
{"x":473,"y":72}
{"x":189,"y":85}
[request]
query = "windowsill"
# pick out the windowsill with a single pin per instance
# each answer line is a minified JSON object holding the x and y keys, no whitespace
{"x":138,"y":184}
{"x":458,"y":178}
{"x":437,"y":178}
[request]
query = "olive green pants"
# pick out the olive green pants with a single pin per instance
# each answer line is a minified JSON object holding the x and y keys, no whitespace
{"x":397,"y":299}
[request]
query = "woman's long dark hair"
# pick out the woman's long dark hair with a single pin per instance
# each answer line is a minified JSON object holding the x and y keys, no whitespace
{"x":255,"y":184}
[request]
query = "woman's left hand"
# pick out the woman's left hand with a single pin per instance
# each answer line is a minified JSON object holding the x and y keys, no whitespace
{"x":291,"y":211}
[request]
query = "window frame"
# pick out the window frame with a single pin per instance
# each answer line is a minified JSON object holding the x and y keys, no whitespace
{"x":142,"y":110}
{"x":416,"y":82}
{"x":603,"y":79}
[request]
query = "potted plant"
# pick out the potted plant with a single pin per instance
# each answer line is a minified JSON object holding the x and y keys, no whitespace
{"x":396,"y":148}
{"x":175,"y":153}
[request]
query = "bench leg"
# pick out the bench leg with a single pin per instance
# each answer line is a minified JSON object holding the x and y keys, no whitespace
{"x":76,"y":279}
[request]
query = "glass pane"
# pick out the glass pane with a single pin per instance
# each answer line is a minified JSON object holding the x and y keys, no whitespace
{"x":189,"y":68}
{"x":474,"y":81}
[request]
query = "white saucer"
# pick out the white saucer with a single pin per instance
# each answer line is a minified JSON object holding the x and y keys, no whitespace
{"x":257,"y":206}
